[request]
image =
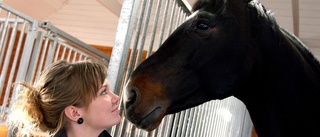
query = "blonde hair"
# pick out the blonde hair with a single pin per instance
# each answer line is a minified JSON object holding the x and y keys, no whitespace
{"x":41,"y":107}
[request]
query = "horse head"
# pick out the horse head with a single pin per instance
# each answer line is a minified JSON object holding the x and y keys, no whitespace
{"x":205,"y":58}
{"x":229,"y":48}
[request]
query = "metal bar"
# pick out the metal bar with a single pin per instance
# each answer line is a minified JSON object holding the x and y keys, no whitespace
{"x":181,"y":125}
{"x":74,"y":57}
{"x":7,"y":61}
{"x":117,"y":64}
{"x":295,"y":16}
{"x":187,"y":5}
{"x":154,"y":28}
{"x":31,"y":74}
{"x":77,"y":43}
{"x":42,"y":53}
{"x":51,"y":52}
{"x":172,"y":18}
{"x":163,"y":24}
{"x":5,"y":66}
{"x":136,"y":40}
{"x":190,"y":122}
{"x":57,"y":53}
{"x":12,"y":20}
{"x":2,"y":38}
{"x":121,"y":47}
{"x":26,"y":54}
{"x":144,"y":33}
{"x":69,"y":54}
{"x":169,"y":126}
{"x":63,"y":53}
{"x":24,"y":16}
{"x":175,"y":124}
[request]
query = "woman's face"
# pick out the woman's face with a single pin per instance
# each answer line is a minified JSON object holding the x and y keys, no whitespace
{"x":103,"y":111}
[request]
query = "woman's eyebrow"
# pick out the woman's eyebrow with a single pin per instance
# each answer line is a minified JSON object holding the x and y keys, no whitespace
{"x":105,"y":86}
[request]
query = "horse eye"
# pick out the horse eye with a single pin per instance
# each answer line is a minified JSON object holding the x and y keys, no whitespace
{"x":203,"y":26}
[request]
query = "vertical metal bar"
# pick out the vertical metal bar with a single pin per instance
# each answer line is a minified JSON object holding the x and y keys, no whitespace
{"x":162,"y":126}
{"x":178,"y":16}
{"x":35,"y":58}
{"x":43,"y":52}
{"x":190,"y":122}
{"x":4,"y":33}
{"x":144,"y":33}
{"x":211,"y":125}
{"x":58,"y":52}
{"x":181,"y":125}
{"x":74,"y":57}
{"x":163,"y":24}
{"x":295,"y":17}
{"x":171,"y":18}
{"x":209,"y":117}
{"x":5,"y":66}
{"x":175,"y":124}
{"x":13,"y":67}
{"x":194,"y":121}
{"x":51,"y":51}
{"x":169,"y":126}
{"x":26,"y":54}
{"x":22,"y":70}
{"x":5,"y":42}
{"x":121,"y":47}
{"x":186,"y":123}
{"x":63,"y":54}
{"x":136,"y":40}
{"x":120,"y":52}
{"x":69,"y":54}
{"x":204,"y":119}
{"x":154,"y":28}
{"x":197,"y":123}
{"x":135,"y":43}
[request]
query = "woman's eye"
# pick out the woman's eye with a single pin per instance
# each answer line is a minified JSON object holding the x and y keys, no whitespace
{"x":104,"y":92}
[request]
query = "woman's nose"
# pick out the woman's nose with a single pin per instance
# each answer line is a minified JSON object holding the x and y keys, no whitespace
{"x":115,"y":98}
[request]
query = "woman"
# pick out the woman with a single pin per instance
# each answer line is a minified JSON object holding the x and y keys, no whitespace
{"x":68,"y":100}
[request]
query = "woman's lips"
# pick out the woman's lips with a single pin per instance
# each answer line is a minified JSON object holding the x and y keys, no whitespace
{"x":115,"y":110}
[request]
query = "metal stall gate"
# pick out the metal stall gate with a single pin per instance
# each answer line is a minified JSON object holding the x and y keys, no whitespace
{"x":28,"y":46}
{"x":143,"y":26}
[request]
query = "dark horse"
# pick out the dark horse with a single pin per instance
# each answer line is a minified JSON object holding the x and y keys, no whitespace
{"x":230,"y":48}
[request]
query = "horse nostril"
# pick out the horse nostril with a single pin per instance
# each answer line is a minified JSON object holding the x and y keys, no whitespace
{"x":132,"y":96}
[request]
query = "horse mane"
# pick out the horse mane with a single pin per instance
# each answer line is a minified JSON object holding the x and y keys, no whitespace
{"x":266,"y":16}
{"x":280,"y":33}
{"x":305,"y":52}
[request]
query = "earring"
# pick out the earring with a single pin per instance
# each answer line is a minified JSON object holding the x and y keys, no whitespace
{"x":80,"y":121}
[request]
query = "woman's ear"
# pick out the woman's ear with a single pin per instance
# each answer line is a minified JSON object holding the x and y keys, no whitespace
{"x":72,"y":112}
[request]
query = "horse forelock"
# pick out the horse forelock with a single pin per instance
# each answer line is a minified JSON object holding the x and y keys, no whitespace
{"x":218,"y":5}
{"x":209,"y":5}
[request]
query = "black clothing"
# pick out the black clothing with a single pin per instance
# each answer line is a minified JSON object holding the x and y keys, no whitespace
{"x":63,"y":133}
